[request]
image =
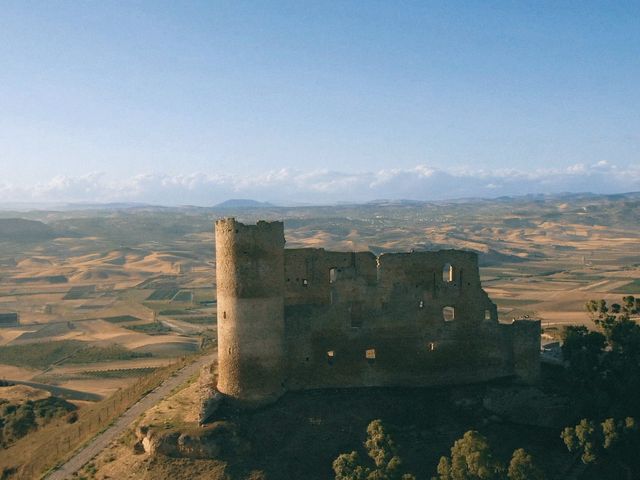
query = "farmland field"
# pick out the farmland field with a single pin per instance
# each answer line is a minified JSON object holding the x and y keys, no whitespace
{"x":133,"y":288}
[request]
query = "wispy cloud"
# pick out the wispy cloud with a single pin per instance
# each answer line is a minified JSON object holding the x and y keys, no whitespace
{"x":323,"y":186}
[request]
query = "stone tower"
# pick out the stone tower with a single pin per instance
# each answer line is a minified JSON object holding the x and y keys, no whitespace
{"x":250,"y":291}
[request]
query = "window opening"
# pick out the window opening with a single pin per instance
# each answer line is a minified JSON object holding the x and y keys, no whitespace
{"x":370,"y":355}
{"x":447,"y":273}
{"x":449,"y":314}
{"x":487,"y":315}
{"x":330,"y":357}
{"x":333,"y":275}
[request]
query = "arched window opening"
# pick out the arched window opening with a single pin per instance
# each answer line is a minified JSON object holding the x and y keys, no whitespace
{"x":305,"y":282}
{"x":331,"y":357}
{"x":447,"y":273}
{"x":333,"y":275}
{"x":421,"y":304}
{"x":449,"y":314}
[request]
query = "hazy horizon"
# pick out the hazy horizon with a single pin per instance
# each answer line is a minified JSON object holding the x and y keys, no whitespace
{"x":290,"y":187}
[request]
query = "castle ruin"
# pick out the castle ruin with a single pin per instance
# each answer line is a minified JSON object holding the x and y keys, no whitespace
{"x":307,"y":318}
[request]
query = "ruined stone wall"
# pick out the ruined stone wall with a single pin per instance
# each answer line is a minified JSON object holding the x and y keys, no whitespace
{"x":354,"y":319}
{"x":417,"y":318}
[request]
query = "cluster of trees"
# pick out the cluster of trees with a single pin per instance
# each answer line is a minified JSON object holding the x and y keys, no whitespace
{"x":471,"y":458}
{"x":604,"y":374}
{"x":616,"y":441}
{"x":604,"y":365}
{"x":17,"y":420}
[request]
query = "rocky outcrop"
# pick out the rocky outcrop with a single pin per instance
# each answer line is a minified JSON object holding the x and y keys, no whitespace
{"x":218,"y":440}
{"x":208,"y":396}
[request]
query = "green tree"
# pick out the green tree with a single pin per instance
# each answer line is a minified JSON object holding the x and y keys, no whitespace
{"x":347,"y":467}
{"x":615,"y":441}
{"x":522,"y":467}
{"x":383,"y":452}
{"x":586,"y":438}
{"x":471,"y":458}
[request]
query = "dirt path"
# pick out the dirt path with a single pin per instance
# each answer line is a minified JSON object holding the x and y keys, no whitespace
{"x":101,"y":441}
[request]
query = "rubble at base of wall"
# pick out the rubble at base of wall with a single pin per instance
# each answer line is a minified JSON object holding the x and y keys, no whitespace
{"x":208,"y":396}
{"x":527,"y":406}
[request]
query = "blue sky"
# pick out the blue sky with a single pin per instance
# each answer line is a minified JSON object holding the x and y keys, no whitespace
{"x":195,"y":102}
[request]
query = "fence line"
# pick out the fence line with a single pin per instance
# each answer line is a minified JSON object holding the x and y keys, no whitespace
{"x":53,"y":444}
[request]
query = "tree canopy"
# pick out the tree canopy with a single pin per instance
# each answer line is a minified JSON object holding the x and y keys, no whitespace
{"x":383,"y":454}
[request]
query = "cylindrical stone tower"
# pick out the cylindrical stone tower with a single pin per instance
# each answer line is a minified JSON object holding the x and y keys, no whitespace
{"x":250,"y":291}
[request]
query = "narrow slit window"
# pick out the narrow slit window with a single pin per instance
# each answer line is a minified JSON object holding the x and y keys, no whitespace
{"x":421,"y":304}
{"x":487,"y":314}
{"x":224,"y":314}
{"x":449,"y":314}
{"x":331,"y":357}
{"x":447,"y":273}
{"x":431,"y":346}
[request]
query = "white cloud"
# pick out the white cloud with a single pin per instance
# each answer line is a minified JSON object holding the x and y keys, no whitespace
{"x":323,"y":186}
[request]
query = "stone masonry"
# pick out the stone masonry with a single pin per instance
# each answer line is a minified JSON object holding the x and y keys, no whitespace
{"x":294,"y":319}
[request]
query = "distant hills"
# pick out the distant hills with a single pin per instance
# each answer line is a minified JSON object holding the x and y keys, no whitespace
{"x":244,"y":203}
{"x":19,"y":229}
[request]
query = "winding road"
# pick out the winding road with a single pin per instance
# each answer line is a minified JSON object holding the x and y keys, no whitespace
{"x":101,"y":441}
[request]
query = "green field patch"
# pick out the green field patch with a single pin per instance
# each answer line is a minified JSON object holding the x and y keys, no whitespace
{"x":122,"y":319}
{"x":585,"y":278}
{"x":48,"y":331}
{"x":168,"y":349}
{"x":157,"y":282}
{"x":39,"y":355}
{"x":55,"y":279}
{"x":163,"y":293}
{"x":199,"y":319}
{"x":119,"y":372}
{"x":153,"y":328}
{"x":175,"y":311}
{"x":183,"y":296}
{"x":631,"y":287}
{"x":79,"y":293}
{"x":94,"y":354}
{"x":514,"y":302}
